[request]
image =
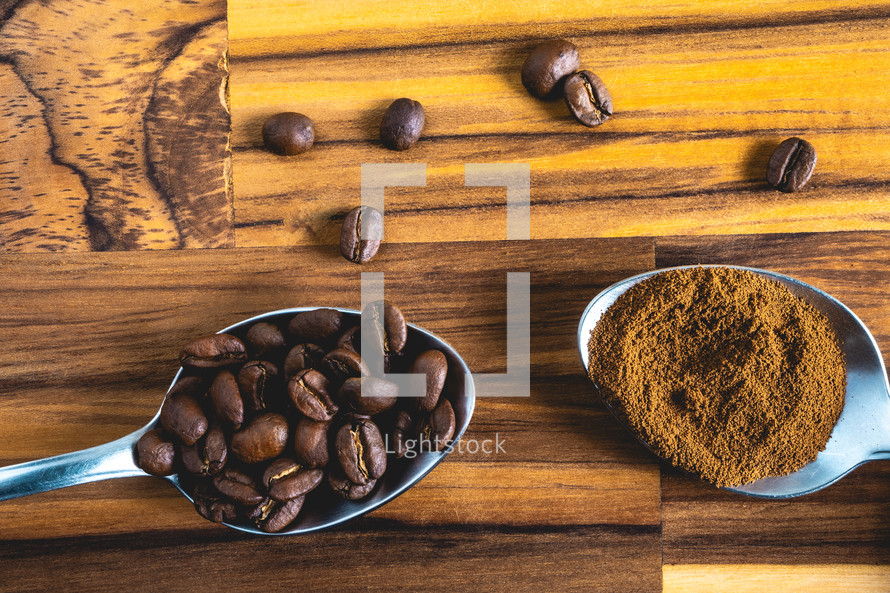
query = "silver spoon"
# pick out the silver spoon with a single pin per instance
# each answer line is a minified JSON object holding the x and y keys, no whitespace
{"x":116,"y":459}
{"x":863,"y":431}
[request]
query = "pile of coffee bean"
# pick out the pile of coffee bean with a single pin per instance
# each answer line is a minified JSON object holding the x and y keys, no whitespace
{"x":256,"y":422}
{"x":552,"y":69}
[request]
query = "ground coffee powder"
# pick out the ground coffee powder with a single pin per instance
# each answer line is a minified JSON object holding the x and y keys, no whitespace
{"x":721,"y":371}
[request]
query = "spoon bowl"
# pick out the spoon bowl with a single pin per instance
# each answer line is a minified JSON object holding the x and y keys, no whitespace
{"x":321,"y":510}
{"x":862,"y":432}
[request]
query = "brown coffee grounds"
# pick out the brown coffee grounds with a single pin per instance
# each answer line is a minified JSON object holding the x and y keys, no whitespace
{"x":721,"y":371}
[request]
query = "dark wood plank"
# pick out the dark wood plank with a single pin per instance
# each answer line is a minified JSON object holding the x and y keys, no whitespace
{"x":848,"y":521}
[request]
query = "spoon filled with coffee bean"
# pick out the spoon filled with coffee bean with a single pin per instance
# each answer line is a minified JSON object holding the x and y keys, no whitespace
{"x":279,"y":424}
{"x":752,"y":380}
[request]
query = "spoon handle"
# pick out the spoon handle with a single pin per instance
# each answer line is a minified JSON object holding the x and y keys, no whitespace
{"x":111,"y":460}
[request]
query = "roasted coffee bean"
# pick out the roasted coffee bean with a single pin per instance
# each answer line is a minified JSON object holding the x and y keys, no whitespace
{"x":288,"y":133}
{"x":405,"y":430}
{"x":263,"y":438}
{"x":359,"y":225}
{"x":193,"y":385}
{"x":311,"y":442}
{"x":347,"y":489}
{"x":208,"y":456}
{"x":182,"y":416}
{"x":257,"y":381}
{"x":302,"y":356}
{"x":588,"y":98}
{"x":226,"y":399}
{"x":238,"y":486}
{"x":438,"y":426}
{"x":361,"y":451}
{"x":791,"y":165}
{"x":155,"y":453}
{"x":341,"y":364}
{"x":434,"y":365}
{"x":547,"y":65}
{"x":392,"y":331}
{"x":214,"y":351}
{"x":212,"y":506}
{"x":272,"y":516}
{"x":264,"y":339}
{"x":380,"y":394}
{"x":350,"y":339}
{"x":285,"y":479}
{"x":316,"y":326}
{"x":402,"y":124}
{"x":308,"y":390}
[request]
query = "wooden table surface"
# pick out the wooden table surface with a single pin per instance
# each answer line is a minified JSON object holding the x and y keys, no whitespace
{"x":138,"y":209}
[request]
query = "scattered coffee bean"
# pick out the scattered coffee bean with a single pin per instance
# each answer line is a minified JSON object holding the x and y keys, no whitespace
{"x":273,"y":516}
{"x":341,"y":364}
{"x":183,"y":417}
{"x":288,"y":133}
{"x":438,"y":427}
{"x":264,"y":438}
{"x":791,"y":165}
{"x":588,"y":98}
{"x":286,"y":479}
{"x":302,"y":356}
{"x":402,"y":124}
{"x":316,"y":326}
{"x":434,"y":365}
{"x":264,"y":339}
{"x":354,"y":242}
{"x":208,"y":455}
{"x":392,"y":332}
{"x":238,"y":486}
{"x":361,"y":451}
{"x":311,"y":442}
{"x":547,"y":65}
{"x":212,"y":352}
{"x":257,"y":382}
{"x":382,"y":395}
{"x":155,"y":453}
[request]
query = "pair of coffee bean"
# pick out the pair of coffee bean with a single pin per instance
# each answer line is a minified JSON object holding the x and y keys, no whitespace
{"x":552,"y":68}
{"x":258,"y":420}
{"x":292,"y":133}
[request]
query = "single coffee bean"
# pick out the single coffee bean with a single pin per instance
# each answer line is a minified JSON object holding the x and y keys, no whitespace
{"x":264,"y":438}
{"x":308,"y":390}
{"x":285,"y":479}
{"x":226,"y":399}
{"x":405,"y":430}
{"x":288,"y":133}
{"x":347,"y":489}
{"x":214,"y":351}
{"x":341,"y":364}
{"x":391,"y":331}
{"x":791,"y":165}
{"x":212,"y":506}
{"x":588,"y":98}
{"x":272,"y":516}
{"x":183,"y":417}
{"x":311,"y":442}
{"x":208,"y":456}
{"x":316,"y":326}
{"x":350,"y":339}
{"x":302,"y":356}
{"x":438,"y":426}
{"x":257,"y":381}
{"x":193,"y":385}
{"x":381,"y":394}
{"x":547,"y":65}
{"x":155,"y":453}
{"x":402,"y":124}
{"x":238,"y":486}
{"x":361,"y":451}
{"x":359,"y":225}
{"x":434,"y":365}
{"x":264,"y":339}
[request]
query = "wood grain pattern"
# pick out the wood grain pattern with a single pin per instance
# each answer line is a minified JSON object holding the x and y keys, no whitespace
{"x":703,"y":93}
{"x":570,"y":494}
{"x":742,"y":578}
{"x":846,"y":522}
{"x":114,"y":128}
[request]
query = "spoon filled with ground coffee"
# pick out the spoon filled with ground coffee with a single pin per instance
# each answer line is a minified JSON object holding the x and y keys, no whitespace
{"x":751,"y":380}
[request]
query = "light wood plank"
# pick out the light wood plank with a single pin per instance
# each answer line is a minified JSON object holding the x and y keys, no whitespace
{"x":744,"y":578}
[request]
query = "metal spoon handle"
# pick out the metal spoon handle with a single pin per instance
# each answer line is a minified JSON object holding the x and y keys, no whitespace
{"x":111,"y":460}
